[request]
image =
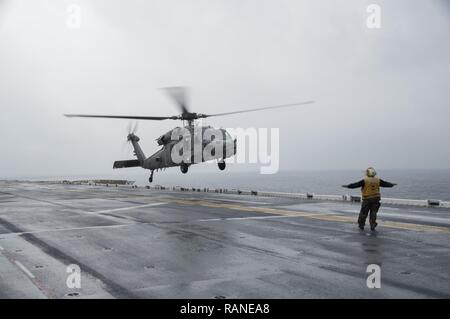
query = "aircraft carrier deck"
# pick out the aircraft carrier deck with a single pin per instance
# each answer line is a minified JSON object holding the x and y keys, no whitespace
{"x":146,"y":243}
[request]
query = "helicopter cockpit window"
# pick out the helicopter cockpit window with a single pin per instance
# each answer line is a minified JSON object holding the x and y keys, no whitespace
{"x":211,"y":134}
{"x":227,"y":135}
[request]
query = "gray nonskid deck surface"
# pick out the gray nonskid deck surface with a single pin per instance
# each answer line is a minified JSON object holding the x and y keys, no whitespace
{"x":139,"y":243}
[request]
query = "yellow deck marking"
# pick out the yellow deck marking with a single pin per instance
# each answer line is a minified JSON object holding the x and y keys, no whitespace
{"x":282,"y":212}
{"x":318,"y":216}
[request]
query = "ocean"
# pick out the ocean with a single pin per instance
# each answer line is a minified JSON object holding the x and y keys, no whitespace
{"x":412,"y":184}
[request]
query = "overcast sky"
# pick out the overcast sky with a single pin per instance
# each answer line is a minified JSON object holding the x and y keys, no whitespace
{"x":382,"y":95}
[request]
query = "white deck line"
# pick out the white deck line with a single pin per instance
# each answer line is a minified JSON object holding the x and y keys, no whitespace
{"x":24,"y":269}
{"x":127,"y":208}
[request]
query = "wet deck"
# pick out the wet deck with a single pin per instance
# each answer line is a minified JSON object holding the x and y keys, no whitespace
{"x":163,"y":244}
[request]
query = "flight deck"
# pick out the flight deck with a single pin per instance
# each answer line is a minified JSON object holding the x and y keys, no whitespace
{"x":146,"y":243}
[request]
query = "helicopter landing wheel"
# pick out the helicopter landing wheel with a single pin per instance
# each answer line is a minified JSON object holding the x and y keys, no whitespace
{"x":221,"y":165}
{"x":150,"y":179}
{"x":184,"y":168}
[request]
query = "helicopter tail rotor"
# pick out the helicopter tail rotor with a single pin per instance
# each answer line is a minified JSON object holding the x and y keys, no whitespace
{"x":131,"y":134}
{"x":132,"y":129}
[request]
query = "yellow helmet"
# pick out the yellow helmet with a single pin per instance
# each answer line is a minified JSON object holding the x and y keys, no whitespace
{"x":370,"y":172}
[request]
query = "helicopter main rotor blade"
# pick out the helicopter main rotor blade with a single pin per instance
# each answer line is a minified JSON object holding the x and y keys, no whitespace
{"x":258,"y":109}
{"x":186,"y":116}
{"x":155,"y":118}
{"x":178,"y":94}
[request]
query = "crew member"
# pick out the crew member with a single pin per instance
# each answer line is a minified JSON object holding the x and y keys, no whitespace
{"x":370,"y":189}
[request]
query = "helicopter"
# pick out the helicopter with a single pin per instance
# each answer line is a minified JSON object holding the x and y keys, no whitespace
{"x":186,"y":145}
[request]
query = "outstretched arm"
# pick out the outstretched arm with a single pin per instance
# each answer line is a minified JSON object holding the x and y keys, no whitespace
{"x":355,"y":185}
{"x":386,"y":184}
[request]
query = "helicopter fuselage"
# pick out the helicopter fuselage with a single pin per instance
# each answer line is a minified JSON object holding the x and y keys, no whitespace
{"x":183,"y":146}
{"x":191,"y":145}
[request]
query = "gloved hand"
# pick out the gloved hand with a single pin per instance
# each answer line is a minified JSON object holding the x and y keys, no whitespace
{"x":345,"y":186}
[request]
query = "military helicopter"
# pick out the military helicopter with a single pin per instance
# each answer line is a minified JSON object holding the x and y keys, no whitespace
{"x":220,"y":139}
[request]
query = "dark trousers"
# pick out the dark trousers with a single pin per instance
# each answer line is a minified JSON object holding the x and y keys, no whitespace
{"x":369,"y":205}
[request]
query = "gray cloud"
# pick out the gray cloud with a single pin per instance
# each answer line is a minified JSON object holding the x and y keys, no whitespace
{"x":382,"y":95}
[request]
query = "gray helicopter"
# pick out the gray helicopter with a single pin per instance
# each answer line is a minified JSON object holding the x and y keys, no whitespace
{"x":183,"y":146}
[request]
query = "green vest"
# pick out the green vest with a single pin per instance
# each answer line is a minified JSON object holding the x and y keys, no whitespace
{"x":371,"y":188}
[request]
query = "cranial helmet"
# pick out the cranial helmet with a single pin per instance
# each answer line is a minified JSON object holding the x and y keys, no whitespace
{"x":370,"y":172}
